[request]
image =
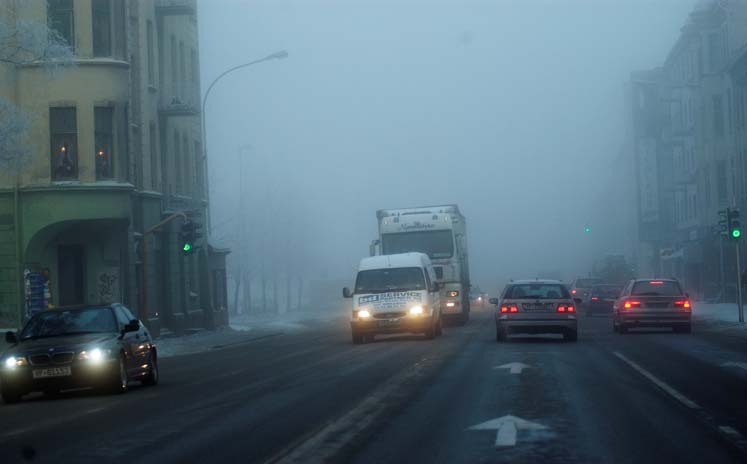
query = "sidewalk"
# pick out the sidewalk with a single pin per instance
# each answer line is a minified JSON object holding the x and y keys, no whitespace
{"x":719,"y":317}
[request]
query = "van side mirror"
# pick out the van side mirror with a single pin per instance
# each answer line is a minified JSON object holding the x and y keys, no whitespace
{"x":493,"y":301}
{"x":11,"y":337}
{"x":346,"y":293}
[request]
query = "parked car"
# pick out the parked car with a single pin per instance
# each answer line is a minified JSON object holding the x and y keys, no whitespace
{"x":102,"y":346}
{"x":535,"y":307}
{"x":652,"y":303}
{"x":395,"y":294}
{"x":603,"y":298}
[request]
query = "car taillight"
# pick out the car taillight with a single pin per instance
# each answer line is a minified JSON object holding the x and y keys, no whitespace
{"x":509,"y":309}
{"x":632,"y":304}
{"x":684,"y":304}
{"x":594,"y":298}
{"x":566,"y":308}
{"x":574,"y":291}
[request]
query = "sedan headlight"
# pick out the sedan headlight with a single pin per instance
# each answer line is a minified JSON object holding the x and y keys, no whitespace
{"x":415,"y":310}
{"x":12,"y":362}
{"x":95,"y":355}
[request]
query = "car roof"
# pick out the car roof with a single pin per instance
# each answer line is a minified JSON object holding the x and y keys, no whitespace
{"x":82,"y":306}
{"x":536,"y":281}
{"x":656,"y":279}
{"x":396,"y":260}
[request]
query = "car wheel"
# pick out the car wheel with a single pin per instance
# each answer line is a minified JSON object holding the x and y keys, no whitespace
{"x":571,"y":336}
{"x":439,"y":327}
{"x":118,"y":381}
{"x":151,"y":378}
{"x":430,"y":334}
{"x":10,"y":395}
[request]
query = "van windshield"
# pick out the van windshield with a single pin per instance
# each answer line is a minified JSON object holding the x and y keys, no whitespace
{"x":389,"y":280}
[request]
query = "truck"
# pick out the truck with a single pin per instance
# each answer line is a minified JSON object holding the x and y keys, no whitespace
{"x":441,"y":233}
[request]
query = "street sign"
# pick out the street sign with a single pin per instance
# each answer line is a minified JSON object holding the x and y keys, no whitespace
{"x":507,"y":428}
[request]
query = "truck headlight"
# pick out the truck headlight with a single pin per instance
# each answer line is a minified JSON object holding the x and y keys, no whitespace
{"x":453,"y":293}
{"x":416,"y":310}
{"x":364,"y":313}
{"x":12,"y":362}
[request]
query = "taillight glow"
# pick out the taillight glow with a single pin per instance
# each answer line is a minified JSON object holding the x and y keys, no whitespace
{"x":566,"y":308}
{"x":509,"y":309}
{"x":684,"y":304}
{"x":574,"y":291}
{"x":594,"y":298}
{"x":632,"y":304}
{"x":656,"y":282}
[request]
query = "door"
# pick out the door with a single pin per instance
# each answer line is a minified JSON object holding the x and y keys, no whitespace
{"x":130,"y":340}
{"x":71,"y":274}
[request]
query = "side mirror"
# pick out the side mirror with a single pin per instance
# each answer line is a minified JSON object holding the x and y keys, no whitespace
{"x":687,"y":295}
{"x":346,"y":293}
{"x":11,"y":337}
{"x":132,"y":326}
{"x":435,"y":286}
{"x":493,"y":301}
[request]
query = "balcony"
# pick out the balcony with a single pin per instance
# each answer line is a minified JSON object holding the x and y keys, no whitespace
{"x":181,"y":99}
{"x":176,"y":7}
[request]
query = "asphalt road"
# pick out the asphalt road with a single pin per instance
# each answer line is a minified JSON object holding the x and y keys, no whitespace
{"x":312,"y":396}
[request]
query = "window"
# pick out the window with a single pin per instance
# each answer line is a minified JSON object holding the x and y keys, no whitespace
{"x":176,"y":158}
{"x":104,"y":141}
{"x":153,"y":157}
{"x":718,"y":116}
{"x":151,"y":56}
{"x":182,"y":67}
{"x":537,"y":292}
{"x":60,"y":19}
{"x":101,"y":11}
{"x":121,"y":317}
{"x":194,"y":69}
{"x":390,"y":280}
{"x":657,"y":288}
{"x":174,"y":90}
{"x":187,"y":165}
{"x":64,"y":139}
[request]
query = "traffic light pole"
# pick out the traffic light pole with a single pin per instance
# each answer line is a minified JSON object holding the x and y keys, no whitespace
{"x":739,"y":283}
{"x":143,"y":310}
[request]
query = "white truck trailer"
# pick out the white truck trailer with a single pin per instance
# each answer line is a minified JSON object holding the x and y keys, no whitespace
{"x":441,"y":233}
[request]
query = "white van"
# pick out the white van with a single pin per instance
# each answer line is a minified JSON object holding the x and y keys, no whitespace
{"x":395,"y":294}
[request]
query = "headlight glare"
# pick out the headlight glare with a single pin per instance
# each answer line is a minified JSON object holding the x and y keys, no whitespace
{"x":416,"y":310}
{"x":364,"y":313}
{"x":95,"y":355}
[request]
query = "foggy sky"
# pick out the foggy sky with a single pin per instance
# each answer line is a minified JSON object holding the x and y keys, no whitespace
{"x":511,"y":109}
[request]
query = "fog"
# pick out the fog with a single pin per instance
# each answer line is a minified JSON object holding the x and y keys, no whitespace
{"x":514,"y":110}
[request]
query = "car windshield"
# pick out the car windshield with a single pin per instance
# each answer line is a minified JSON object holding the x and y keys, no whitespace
{"x":586,"y":283}
{"x":434,"y":243}
{"x":392,"y":279}
{"x":57,"y":323}
{"x":656,"y":288}
{"x":606,"y":291}
{"x":537,"y":292}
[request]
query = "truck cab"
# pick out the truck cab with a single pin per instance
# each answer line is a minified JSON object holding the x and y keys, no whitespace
{"x":395,"y":294}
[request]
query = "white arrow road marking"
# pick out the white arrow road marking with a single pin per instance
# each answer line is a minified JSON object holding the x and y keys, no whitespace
{"x":735,"y":364}
{"x":507,"y":426}
{"x":516,"y":367}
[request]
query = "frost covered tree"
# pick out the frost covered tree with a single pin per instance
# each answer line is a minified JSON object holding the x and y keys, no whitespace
{"x":24,"y":42}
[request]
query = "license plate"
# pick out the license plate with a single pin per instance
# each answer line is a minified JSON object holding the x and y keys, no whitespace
{"x":388,"y":322}
{"x":52,"y":372}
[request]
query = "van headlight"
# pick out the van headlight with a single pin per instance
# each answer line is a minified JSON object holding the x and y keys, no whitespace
{"x":415,"y":310}
{"x":364,"y":313}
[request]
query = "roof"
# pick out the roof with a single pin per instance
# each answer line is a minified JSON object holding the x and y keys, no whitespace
{"x":391,"y":261}
{"x":433,"y":209}
{"x":536,"y":281}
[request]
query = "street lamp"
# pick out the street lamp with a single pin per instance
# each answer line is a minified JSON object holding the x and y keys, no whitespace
{"x":273,"y":56}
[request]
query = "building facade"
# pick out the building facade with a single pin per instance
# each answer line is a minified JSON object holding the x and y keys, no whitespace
{"x":689,"y":147}
{"x":115,"y":149}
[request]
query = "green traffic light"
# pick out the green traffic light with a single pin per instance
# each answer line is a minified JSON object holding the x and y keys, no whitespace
{"x":736,"y":233}
{"x":587,"y":229}
{"x":187,"y":247}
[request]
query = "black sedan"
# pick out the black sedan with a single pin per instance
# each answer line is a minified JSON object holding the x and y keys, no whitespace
{"x":101,"y":346}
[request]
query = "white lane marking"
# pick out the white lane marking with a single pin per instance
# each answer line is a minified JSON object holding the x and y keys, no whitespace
{"x":735,"y":364}
{"x":53,"y":422}
{"x":507,"y":427}
{"x":515,"y":367}
{"x":731,"y":431}
{"x":659,"y":383}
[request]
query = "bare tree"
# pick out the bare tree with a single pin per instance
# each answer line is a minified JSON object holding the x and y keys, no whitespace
{"x":24,"y":43}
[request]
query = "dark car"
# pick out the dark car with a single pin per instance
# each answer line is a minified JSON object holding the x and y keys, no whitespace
{"x":603,"y":298}
{"x":652,"y":303}
{"x":101,"y":346}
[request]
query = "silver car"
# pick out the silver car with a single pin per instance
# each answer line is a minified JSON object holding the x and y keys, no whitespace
{"x":535,"y":307}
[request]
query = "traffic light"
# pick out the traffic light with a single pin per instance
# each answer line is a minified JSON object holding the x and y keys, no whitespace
{"x":735,"y":228}
{"x":187,"y":237}
{"x":723,"y":222}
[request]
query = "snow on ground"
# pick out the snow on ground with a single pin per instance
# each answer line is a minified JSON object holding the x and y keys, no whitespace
{"x":720,"y":317}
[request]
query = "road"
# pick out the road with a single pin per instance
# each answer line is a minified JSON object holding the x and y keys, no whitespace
{"x":312,"y":396}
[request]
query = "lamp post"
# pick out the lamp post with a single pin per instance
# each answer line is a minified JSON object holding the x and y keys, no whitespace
{"x":274,"y":56}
